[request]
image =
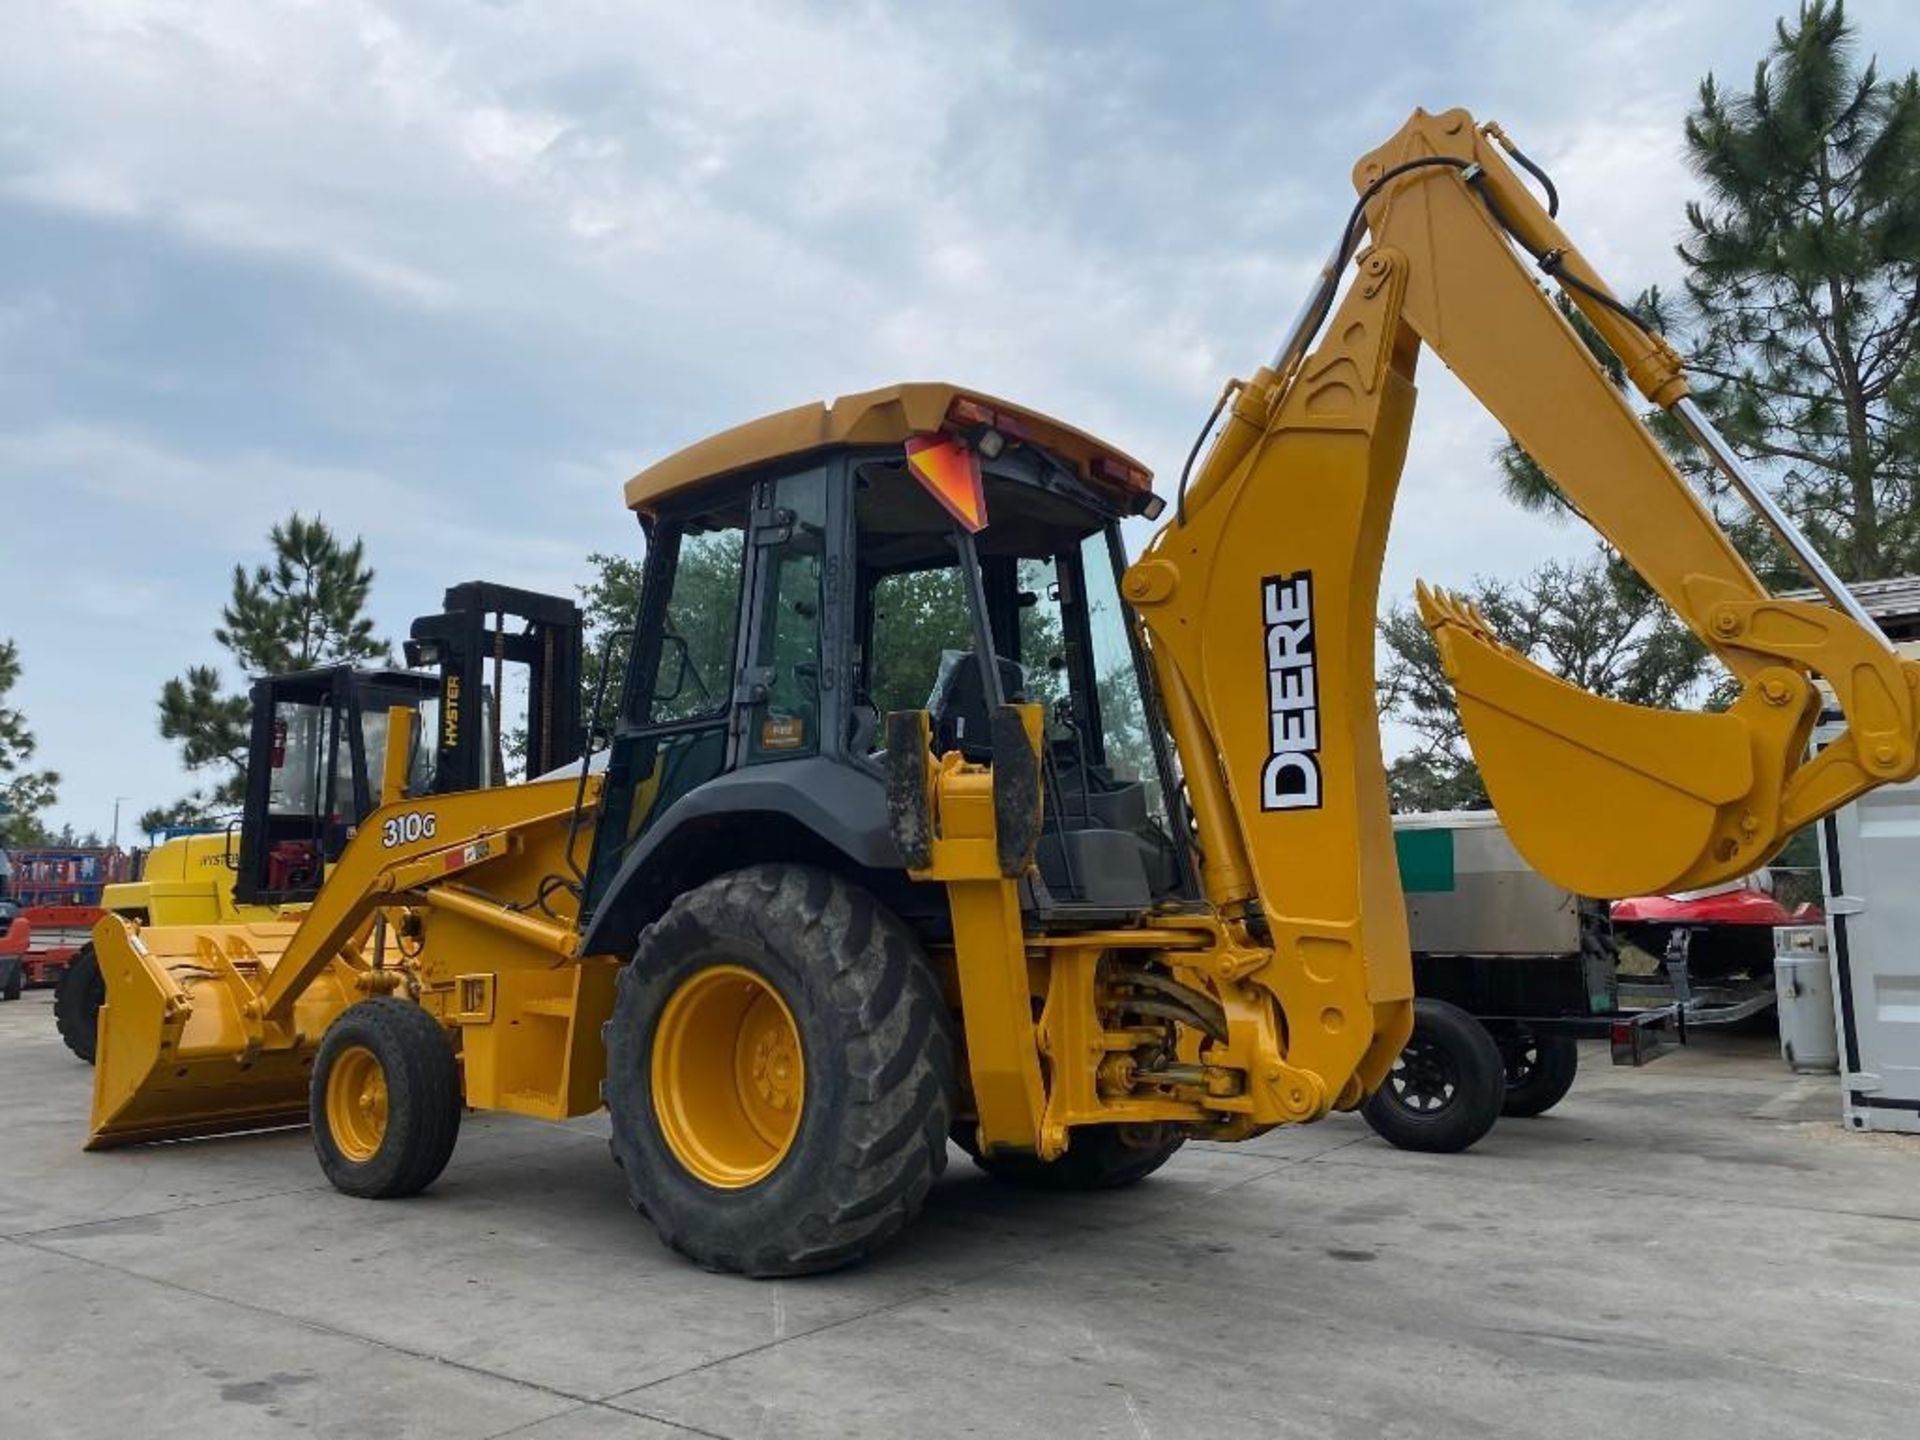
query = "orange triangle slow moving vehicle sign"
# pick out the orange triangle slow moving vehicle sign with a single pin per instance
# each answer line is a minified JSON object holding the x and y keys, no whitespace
{"x":951,"y":472}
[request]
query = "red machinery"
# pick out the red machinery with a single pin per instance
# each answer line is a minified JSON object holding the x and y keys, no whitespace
{"x":1730,"y":926}
{"x":56,"y":891}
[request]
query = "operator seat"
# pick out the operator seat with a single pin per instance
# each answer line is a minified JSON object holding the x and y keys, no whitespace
{"x":961,"y":717}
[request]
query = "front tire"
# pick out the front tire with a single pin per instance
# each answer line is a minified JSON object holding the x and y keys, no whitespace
{"x":1446,"y":1087}
{"x":385,"y":1100}
{"x":779,"y":1073}
{"x":77,"y":1000}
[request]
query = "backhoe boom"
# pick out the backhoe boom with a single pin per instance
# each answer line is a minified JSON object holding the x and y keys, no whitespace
{"x":1259,"y":601}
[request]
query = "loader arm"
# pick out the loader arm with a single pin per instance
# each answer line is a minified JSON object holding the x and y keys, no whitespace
{"x":1259,"y":603}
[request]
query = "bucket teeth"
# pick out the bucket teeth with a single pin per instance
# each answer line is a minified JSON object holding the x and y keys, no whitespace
{"x":1440,"y":608}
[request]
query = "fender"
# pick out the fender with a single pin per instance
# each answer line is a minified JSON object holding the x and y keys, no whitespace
{"x":844,"y":805}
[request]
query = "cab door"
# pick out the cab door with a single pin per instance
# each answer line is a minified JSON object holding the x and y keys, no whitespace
{"x":676,"y":727}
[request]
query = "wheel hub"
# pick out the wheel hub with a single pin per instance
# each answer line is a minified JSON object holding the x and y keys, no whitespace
{"x":1423,"y":1079}
{"x":357,"y":1103}
{"x":729,"y":1076}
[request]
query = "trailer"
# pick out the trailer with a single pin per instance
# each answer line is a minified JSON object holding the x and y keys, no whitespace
{"x":1509,"y":972}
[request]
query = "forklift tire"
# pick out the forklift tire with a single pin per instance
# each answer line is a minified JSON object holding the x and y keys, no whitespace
{"x":15,"y":981}
{"x":384,"y":1100}
{"x":780,"y":1073}
{"x":77,"y":1000}
{"x":1540,"y":1070}
{"x":1445,"y":1089}
{"x":1099,"y":1157}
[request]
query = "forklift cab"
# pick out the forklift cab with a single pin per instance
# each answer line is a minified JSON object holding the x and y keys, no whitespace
{"x":315,"y":770}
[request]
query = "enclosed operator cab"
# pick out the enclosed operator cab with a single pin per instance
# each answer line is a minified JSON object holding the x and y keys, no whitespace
{"x":970,"y":558}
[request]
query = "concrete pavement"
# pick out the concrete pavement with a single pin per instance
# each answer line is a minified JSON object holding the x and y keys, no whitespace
{"x":1694,"y":1249}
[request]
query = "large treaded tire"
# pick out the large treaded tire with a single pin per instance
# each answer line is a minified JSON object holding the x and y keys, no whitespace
{"x":1099,"y":1157}
{"x":76,"y":1003}
{"x":423,"y":1099}
{"x":876,"y":1040}
{"x":1540,"y":1069}
{"x":1451,"y":1061}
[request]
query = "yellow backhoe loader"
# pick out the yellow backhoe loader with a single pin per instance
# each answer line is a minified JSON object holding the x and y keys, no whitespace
{"x":1123,"y":877}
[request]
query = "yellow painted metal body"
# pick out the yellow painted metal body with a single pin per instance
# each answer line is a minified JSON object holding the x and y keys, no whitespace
{"x":184,"y":881}
{"x":210,"y":1028}
{"x":1286,"y":991}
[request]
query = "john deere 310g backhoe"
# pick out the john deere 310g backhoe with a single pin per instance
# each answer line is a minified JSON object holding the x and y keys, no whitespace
{"x":1124,"y":877}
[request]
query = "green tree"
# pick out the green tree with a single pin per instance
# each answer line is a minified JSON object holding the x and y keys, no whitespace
{"x":609,"y":603}
{"x":1803,"y":286}
{"x":1594,"y":623}
{"x":24,"y":792}
{"x":303,"y":608}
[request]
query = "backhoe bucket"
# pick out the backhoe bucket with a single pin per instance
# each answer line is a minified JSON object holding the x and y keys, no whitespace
{"x":182,"y":1049}
{"x":1605,"y":798}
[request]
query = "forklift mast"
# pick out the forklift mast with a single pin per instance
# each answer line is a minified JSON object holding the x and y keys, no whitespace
{"x":470,"y":644}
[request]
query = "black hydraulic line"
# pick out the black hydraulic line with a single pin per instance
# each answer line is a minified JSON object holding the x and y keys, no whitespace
{"x":1546,"y":180}
{"x":1552,"y":262}
{"x":1186,"y":470}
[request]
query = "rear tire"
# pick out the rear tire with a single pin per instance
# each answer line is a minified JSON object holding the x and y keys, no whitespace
{"x":1446,"y":1087}
{"x":11,"y":990}
{"x":77,"y":1000}
{"x":1540,"y":1070}
{"x":1098,"y":1157}
{"x":865,"y":1045}
{"x":385,"y":1100}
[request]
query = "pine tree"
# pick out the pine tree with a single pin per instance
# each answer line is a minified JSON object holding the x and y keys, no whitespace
{"x":1803,"y":285}
{"x":24,"y":792}
{"x":305,"y":607}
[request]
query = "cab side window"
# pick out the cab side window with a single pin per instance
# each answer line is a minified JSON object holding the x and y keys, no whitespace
{"x":786,"y":660}
{"x":693,"y":676}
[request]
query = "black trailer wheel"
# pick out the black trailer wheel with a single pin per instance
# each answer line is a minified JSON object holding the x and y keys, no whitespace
{"x":780,"y":1073}
{"x":1540,"y":1070}
{"x":1445,"y":1089}
{"x":1099,"y":1157}
{"x":77,"y":1000}
{"x":385,"y":1100}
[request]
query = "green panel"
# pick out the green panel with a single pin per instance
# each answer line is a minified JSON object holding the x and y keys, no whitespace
{"x":1426,"y":860}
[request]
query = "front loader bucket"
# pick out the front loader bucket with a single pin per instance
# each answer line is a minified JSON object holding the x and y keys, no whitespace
{"x":182,"y":1050}
{"x":1602,"y":797}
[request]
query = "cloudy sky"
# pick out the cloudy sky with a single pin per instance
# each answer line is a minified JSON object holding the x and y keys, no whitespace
{"x":447,"y":272}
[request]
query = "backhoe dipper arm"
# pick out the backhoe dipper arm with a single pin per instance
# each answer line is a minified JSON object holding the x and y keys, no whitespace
{"x":1259,"y":603}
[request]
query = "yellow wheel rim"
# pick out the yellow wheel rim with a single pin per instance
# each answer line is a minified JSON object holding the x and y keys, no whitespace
{"x":729,"y":1077}
{"x":357,"y":1103}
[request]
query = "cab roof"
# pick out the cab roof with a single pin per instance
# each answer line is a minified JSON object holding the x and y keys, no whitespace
{"x":888,"y":416}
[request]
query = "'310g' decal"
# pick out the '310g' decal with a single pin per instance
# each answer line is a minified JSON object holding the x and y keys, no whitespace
{"x":407,"y":828}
